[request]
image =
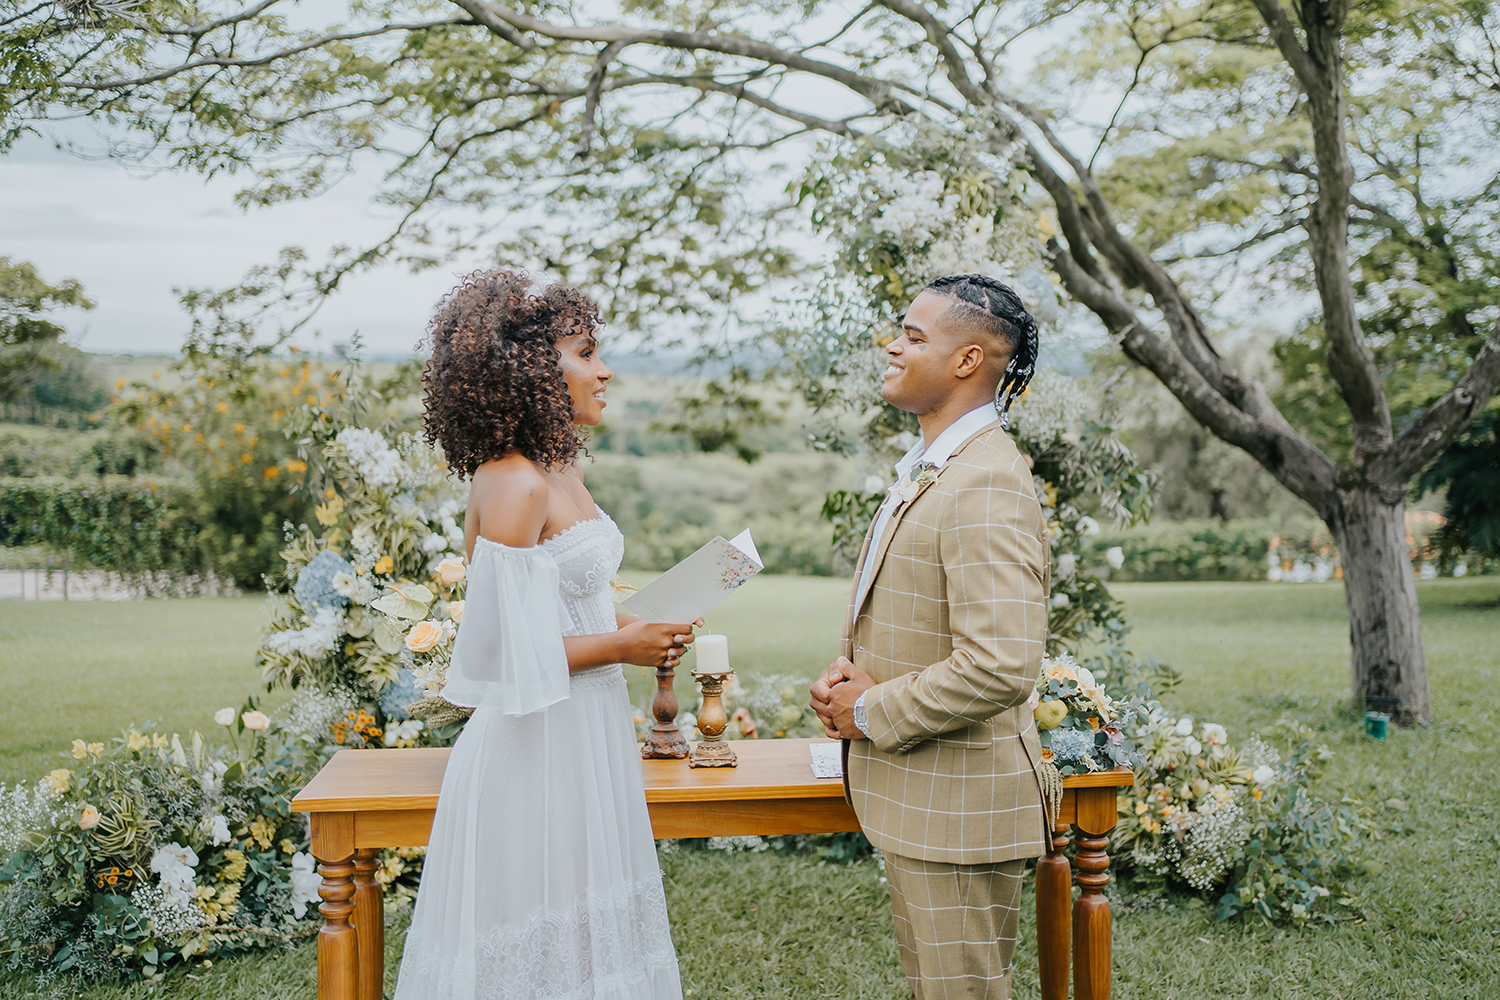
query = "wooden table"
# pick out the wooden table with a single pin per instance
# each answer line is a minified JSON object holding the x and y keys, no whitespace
{"x":366,"y":800}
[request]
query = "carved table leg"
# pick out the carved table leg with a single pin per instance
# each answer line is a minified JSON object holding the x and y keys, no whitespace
{"x":1091,"y":922}
{"x":1054,"y":896}
{"x":369,"y":924}
{"x":338,"y":945}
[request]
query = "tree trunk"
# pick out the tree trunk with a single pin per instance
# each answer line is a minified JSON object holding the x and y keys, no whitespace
{"x":1385,"y":625}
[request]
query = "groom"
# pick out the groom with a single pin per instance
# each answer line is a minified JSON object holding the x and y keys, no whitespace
{"x":943,"y":640}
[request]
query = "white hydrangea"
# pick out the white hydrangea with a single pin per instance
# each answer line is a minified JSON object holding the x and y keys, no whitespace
{"x":317,"y":639}
{"x":305,"y":881}
{"x":377,"y":463}
{"x":174,"y":864}
{"x":913,"y":205}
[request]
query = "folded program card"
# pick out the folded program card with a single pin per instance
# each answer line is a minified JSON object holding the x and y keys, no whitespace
{"x":827,"y":759}
{"x":688,"y":590}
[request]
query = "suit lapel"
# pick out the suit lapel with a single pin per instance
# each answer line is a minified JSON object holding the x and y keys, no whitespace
{"x":884,"y":542}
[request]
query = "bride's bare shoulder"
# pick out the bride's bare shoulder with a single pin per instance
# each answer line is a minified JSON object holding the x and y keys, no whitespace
{"x":510,"y":495}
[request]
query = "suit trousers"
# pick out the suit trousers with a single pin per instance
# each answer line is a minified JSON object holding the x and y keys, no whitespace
{"x":956,"y":926}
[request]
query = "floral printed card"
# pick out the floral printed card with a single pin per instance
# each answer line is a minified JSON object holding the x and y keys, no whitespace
{"x":687,"y":591}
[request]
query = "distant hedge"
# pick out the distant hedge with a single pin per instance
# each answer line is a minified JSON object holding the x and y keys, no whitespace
{"x":131,"y":526}
{"x":1207,"y":549}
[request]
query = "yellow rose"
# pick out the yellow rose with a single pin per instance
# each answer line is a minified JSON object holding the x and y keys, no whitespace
{"x":423,"y":636}
{"x":89,"y":819}
{"x":384,"y":564}
{"x":451,"y":570}
{"x":1049,"y":714}
{"x":456,"y":611}
{"x":136,"y":742}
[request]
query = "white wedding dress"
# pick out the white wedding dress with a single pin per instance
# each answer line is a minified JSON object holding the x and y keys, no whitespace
{"x":541,"y":878}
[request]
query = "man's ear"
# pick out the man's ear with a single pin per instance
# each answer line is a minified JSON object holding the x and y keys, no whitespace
{"x":970,"y":360}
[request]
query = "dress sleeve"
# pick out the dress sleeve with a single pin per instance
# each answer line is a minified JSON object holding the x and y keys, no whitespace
{"x":509,"y":650}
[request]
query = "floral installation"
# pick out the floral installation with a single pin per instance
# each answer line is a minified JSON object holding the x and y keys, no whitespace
{"x":1241,"y":825}
{"x":151,"y":850}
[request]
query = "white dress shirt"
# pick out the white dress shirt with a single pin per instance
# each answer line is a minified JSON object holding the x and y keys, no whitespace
{"x":937,"y":453}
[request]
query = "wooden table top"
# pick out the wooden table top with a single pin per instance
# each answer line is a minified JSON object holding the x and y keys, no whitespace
{"x":362,"y":780}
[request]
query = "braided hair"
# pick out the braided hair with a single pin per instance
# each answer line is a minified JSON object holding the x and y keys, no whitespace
{"x":999,"y":304}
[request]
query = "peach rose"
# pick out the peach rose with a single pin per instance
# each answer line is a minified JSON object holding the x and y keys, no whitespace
{"x":456,"y":612}
{"x":423,"y":636}
{"x":89,"y":819}
{"x":255,"y":720}
{"x":451,"y":570}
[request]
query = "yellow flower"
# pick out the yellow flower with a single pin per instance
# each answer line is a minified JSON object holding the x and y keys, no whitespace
{"x":158,"y":741}
{"x":262,"y":832}
{"x":234,"y":866}
{"x":287,"y":847}
{"x":384,"y":564}
{"x":451,"y":570}
{"x":245,"y":458}
{"x":135,"y":742}
{"x":222,"y":407}
{"x":296,"y":465}
{"x":423,"y":636}
{"x":272,"y":472}
{"x":328,"y":513}
{"x":1045,"y":227}
{"x":80,"y":749}
{"x":58,"y":781}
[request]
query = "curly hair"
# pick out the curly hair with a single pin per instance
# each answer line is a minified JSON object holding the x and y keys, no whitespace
{"x":494,"y":383}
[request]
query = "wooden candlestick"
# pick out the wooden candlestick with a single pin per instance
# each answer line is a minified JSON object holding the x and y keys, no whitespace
{"x":712,"y":751}
{"x":664,"y":741}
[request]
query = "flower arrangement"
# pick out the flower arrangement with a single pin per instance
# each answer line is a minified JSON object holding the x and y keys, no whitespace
{"x":152,"y":850}
{"x":377,"y":588}
{"x":1082,"y":728}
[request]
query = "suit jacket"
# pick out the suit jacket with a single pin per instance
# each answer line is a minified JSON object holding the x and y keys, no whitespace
{"x":952,"y":628}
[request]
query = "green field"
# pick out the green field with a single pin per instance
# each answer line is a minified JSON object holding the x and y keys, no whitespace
{"x":769,"y":925}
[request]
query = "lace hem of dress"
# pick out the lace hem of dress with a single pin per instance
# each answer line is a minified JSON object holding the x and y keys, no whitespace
{"x":599,"y":945}
{"x":598,"y":677}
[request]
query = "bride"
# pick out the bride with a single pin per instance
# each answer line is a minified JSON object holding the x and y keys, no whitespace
{"x":541,"y":878}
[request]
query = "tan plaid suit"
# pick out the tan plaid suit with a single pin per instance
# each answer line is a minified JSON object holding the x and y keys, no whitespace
{"x":952,"y":627}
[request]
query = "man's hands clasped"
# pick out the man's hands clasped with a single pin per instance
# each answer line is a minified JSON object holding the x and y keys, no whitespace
{"x":834,"y":695}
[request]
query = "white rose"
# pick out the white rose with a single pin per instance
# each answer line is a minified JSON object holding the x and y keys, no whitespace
{"x":1060,"y":600}
{"x":89,"y":818}
{"x":1115,"y":556}
{"x":224,"y":716}
{"x":1085,"y":678}
{"x":1184,"y":726}
{"x":1192,"y":746}
{"x":1263,"y":775}
{"x":1214,"y":734}
{"x":255,"y":720}
{"x":1088,"y":526}
{"x":1066,"y":564}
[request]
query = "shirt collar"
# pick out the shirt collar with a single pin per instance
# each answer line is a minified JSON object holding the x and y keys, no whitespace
{"x":948,"y":441}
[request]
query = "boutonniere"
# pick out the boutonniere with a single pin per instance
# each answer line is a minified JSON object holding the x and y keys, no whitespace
{"x":921,"y":475}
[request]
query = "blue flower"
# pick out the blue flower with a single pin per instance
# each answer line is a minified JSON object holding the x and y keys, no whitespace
{"x":400,"y":693}
{"x":1071,"y":744}
{"x":315,"y":583}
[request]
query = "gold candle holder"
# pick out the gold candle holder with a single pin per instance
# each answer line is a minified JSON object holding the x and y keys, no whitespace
{"x":664,"y":741}
{"x":712,"y":750}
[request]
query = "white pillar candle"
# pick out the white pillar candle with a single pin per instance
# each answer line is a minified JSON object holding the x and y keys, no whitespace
{"x":713,"y":653}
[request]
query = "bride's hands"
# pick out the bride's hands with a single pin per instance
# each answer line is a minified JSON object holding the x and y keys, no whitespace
{"x":654,"y":644}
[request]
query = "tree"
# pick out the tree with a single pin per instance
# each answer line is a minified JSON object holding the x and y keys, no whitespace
{"x":1318,"y":147}
{"x":29,"y":342}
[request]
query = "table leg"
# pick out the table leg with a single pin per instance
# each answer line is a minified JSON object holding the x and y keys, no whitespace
{"x":338,"y":946}
{"x":1091,"y":922}
{"x":1054,"y":896}
{"x":369,"y":924}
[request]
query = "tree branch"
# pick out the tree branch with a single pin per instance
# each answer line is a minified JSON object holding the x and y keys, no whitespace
{"x":591,"y":98}
{"x":226,"y":61}
{"x":1436,"y":428}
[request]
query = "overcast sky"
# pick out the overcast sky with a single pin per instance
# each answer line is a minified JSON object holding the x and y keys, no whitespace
{"x":133,"y":237}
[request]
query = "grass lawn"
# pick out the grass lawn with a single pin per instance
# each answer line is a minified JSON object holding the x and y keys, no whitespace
{"x":774,"y":926}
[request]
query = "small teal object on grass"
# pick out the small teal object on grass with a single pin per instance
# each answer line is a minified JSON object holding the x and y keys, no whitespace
{"x":1376,"y":723}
